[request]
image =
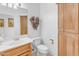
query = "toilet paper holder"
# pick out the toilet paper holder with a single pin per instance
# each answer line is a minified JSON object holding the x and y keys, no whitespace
{"x":52,"y":41}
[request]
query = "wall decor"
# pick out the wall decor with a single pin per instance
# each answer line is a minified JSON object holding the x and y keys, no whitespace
{"x":1,"y":22}
{"x":10,"y":22}
{"x":35,"y":22}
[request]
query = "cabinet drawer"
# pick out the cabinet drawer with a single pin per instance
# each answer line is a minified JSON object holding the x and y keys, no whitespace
{"x":27,"y":54}
{"x":17,"y":51}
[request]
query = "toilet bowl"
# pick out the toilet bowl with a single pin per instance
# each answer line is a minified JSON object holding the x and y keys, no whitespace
{"x":42,"y":50}
{"x":39,"y":47}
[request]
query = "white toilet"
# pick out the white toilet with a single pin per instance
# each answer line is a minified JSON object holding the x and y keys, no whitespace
{"x":40,"y":48}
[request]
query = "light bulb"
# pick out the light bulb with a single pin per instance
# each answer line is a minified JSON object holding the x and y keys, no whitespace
{"x":15,"y":7}
{"x":10,"y":5}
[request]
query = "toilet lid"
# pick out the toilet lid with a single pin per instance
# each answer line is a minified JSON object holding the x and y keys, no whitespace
{"x":42,"y":47}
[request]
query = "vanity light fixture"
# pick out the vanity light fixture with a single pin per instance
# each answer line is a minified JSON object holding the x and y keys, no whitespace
{"x":4,"y":4}
{"x":12,"y":5}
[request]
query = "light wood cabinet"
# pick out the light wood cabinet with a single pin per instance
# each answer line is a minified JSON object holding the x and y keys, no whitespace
{"x":68,"y":17}
{"x":71,"y":44}
{"x":68,"y":29}
{"x":62,"y":44}
{"x":24,"y":50}
{"x":27,"y":54}
{"x":60,"y":17}
{"x":68,"y":44}
{"x":71,"y":18}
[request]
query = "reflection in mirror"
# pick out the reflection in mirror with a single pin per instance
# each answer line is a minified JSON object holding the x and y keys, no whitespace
{"x":5,"y":32}
{"x":1,"y":22}
{"x":10,"y":22}
{"x":4,"y":4}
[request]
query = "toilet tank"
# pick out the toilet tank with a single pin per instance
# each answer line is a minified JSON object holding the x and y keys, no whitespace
{"x":36,"y":41}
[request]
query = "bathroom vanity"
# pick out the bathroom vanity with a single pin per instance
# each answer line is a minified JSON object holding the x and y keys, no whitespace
{"x":24,"y":50}
{"x":21,"y":47}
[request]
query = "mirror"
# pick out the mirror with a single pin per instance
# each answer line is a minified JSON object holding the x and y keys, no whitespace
{"x":10,"y":22}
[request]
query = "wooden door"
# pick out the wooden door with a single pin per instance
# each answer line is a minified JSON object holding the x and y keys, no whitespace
{"x":71,"y":18}
{"x":68,"y":29}
{"x":60,"y":16}
{"x":62,"y":44}
{"x":23,"y":25}
{"x":68,"y":44}
{"x":71,"y":44}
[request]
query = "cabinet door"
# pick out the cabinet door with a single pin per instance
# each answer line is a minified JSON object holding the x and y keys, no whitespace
{"x":71,"y":44}
{"x":18,"y":51}
{"x":71,"y":18}
{"x":60,"y":16}
{"x":68,"y":44}
{"x":62,"y":44}
{"x":27,"y":54}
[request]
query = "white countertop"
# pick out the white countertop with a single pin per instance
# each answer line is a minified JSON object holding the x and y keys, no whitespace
{"x":14,"y":43}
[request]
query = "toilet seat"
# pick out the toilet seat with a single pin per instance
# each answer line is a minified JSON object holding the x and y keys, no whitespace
{"x":42,"y":48}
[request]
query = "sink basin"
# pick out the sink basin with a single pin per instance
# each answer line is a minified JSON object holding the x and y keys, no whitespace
{"x":7,"y":42}
{"x":1,"y":39}
{"x":24,"y":39}
{"x":15,"y":42}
